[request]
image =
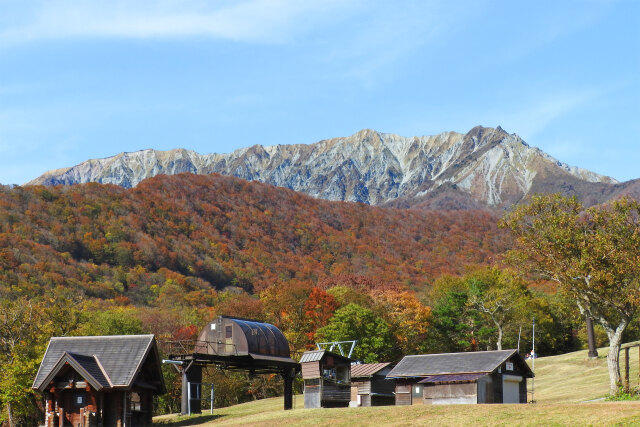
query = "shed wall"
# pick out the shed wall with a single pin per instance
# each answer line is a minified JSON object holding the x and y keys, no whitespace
{"x":310,"y":370}
{"x":444,"y":394}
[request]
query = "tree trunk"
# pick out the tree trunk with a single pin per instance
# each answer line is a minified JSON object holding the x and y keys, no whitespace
{"x":613,"y":358}
{"x":10,"y":413}
{"x":499,"y":342}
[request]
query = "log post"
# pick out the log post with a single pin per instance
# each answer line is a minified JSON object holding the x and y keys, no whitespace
{"x":593,"y":351}
{"x":626,"y":370}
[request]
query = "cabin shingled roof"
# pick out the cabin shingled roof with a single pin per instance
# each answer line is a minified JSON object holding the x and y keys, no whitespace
{"x":424,"y":365}
{"x":121,"y":356}
{"x":367,"y":369}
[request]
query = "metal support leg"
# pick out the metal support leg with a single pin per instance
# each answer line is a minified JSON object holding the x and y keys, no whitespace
{"x":288,"y":389}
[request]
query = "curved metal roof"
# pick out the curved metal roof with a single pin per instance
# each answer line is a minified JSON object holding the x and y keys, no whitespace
{"x":263,"y":338}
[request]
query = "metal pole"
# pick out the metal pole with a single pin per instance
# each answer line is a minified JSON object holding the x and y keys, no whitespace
{"x":211,"y":398}
{"x":189,"y":398}
{"x":533,"y":362}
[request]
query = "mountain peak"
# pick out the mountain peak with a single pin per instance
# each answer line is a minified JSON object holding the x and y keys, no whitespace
{"x":485,"y":166}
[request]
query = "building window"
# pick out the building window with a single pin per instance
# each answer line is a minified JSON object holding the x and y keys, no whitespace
{"x":228,"y":332}
{"x":136,"y":402}
{"x":79,"y":399}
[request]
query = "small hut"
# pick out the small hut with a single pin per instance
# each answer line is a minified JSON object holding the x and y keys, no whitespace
{"x":327,"y":379}
{"x":369,"y":385}
{"x":102,"y":380}
{"x":475,"y":377}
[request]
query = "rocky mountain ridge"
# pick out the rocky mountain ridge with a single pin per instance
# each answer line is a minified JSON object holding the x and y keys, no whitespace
{"x":484,"y":167}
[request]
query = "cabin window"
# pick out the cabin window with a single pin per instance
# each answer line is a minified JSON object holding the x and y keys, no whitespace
{"x":329,"y":373}
{"x":343,"y":373}
{"x":136,"y":402}
{"x":228,"y":332}
{"x":195,"y":391}
{"x":79,"y":399}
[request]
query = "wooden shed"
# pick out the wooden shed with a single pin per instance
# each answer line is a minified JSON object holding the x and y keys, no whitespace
{"x":475,"y":377}
{"x":100,"y":381}
{"x":369,"y":385}
{"x":327,"y":379}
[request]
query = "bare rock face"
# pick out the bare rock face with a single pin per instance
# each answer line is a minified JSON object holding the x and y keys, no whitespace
{"x":485,"y":168}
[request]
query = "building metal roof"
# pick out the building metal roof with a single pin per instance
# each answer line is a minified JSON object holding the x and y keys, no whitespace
{"x":367,"y":369}
{"x":316,"y":355}
{"x":263,"y":338}
{"x":451,"y":378}
{"x":312,"y":356}
{"x":455,"y":363}
{"x":110,"y":361}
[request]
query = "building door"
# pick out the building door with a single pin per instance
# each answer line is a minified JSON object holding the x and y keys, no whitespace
{"x":417,"y":394}
{"x":511,"y":388}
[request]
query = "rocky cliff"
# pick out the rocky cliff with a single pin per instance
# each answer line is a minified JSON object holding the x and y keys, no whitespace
{"x":485,"y":167}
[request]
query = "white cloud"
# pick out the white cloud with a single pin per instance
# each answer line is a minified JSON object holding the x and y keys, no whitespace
{"x":263,"y":21}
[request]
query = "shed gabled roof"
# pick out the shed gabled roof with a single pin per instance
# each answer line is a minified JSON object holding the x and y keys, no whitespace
{"x":367,"y":369}
{"x":117,"y":358}
{"x":454,"y":363}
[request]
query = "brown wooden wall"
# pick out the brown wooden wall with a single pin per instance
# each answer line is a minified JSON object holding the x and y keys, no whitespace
{"x":403,"y":392}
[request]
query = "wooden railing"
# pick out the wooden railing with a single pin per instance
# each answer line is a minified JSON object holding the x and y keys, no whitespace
{"x":200,"y":347}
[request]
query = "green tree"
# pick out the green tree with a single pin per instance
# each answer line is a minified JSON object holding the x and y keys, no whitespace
{"x":25,"y":328}
{"x":500,"y":297}
{"x":354,"y":322}
{"x":592,"y":254}
{"x":113,"y":321}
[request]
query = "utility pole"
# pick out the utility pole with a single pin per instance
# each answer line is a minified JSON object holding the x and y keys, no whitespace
{"x":533,"y":362}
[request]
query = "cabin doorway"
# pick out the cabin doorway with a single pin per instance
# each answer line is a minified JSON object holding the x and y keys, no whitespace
{"x":511,"y":389}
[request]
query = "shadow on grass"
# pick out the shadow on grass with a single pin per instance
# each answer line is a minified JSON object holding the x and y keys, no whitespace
{"x":190,"y":421}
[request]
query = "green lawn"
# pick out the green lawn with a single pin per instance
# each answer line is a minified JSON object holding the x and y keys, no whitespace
{"x":563,"y":384}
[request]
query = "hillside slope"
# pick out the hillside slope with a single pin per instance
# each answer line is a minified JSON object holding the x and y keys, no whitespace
{"x":485,"y":167}
{"x":181,"y":236}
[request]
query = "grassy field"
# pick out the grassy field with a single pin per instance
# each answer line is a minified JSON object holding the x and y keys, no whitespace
{"x":564,"y":386}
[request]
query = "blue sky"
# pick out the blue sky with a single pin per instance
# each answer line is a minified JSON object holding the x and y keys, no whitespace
{"x":90,"y":79}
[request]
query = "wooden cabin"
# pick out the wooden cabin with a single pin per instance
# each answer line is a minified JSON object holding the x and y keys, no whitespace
{"x":327,"y":379}
{"x":369,"y":385}
{"x":105,"y":381}
{"x":475,"y":377}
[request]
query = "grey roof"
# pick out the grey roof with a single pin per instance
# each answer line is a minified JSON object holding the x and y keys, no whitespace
{"x":367,"y":369}
{"x":116,"y":358}
{"x":451,"y":363}
{"x":451,"y":378}
{"x":312,"y":356}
